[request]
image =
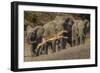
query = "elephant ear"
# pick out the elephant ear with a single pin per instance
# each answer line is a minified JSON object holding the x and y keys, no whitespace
{"x":31,"y":37}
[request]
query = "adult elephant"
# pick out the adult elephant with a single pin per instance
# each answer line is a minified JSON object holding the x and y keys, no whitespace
{"x":67,"y":26}
{"x":35,"y":37}
{"x":81,"y":33}
{"x":52,"y":28}
{"x":75,"y":32}
{"x":78,"y":31}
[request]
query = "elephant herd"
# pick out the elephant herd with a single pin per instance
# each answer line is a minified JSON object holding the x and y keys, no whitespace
{"x":56,"y":34}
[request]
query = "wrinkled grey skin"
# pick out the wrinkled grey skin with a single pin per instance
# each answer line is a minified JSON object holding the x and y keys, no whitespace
{"x":50,"y":28}
{"x":35,"y":37}
{"x":68,"y":23}
{"x":58,"y":25}
{"x":79,"y":31}
{"x":75,"y":33}
{"x":54,"y":26}
{"x":86,"y":28}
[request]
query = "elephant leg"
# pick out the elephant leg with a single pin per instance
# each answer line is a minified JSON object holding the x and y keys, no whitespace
{"x":40,"y":50}
{"x":70,"y":41}
{"x":81,"y":39}
{"x":76,"y":40}
{"x":46,"y":48}
{"x":73,"y":42}
{"x":57,"y":45}
{"x":63,"y":43}
{"x":84,"y":37}
{"x":34,"y":53}
{"x":51,"y":46}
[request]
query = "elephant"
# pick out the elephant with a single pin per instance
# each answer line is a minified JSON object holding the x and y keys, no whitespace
{"x":67,"y":26}
{"x":80,"y":29}
{"x":75,"y":32}
{"x":35,"y":37}
{"x":86,"y":28}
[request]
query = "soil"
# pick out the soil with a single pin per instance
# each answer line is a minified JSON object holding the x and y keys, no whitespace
{"x":77,"y":52}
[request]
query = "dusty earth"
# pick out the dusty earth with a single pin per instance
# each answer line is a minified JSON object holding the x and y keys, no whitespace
{"x":77,"y":52}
